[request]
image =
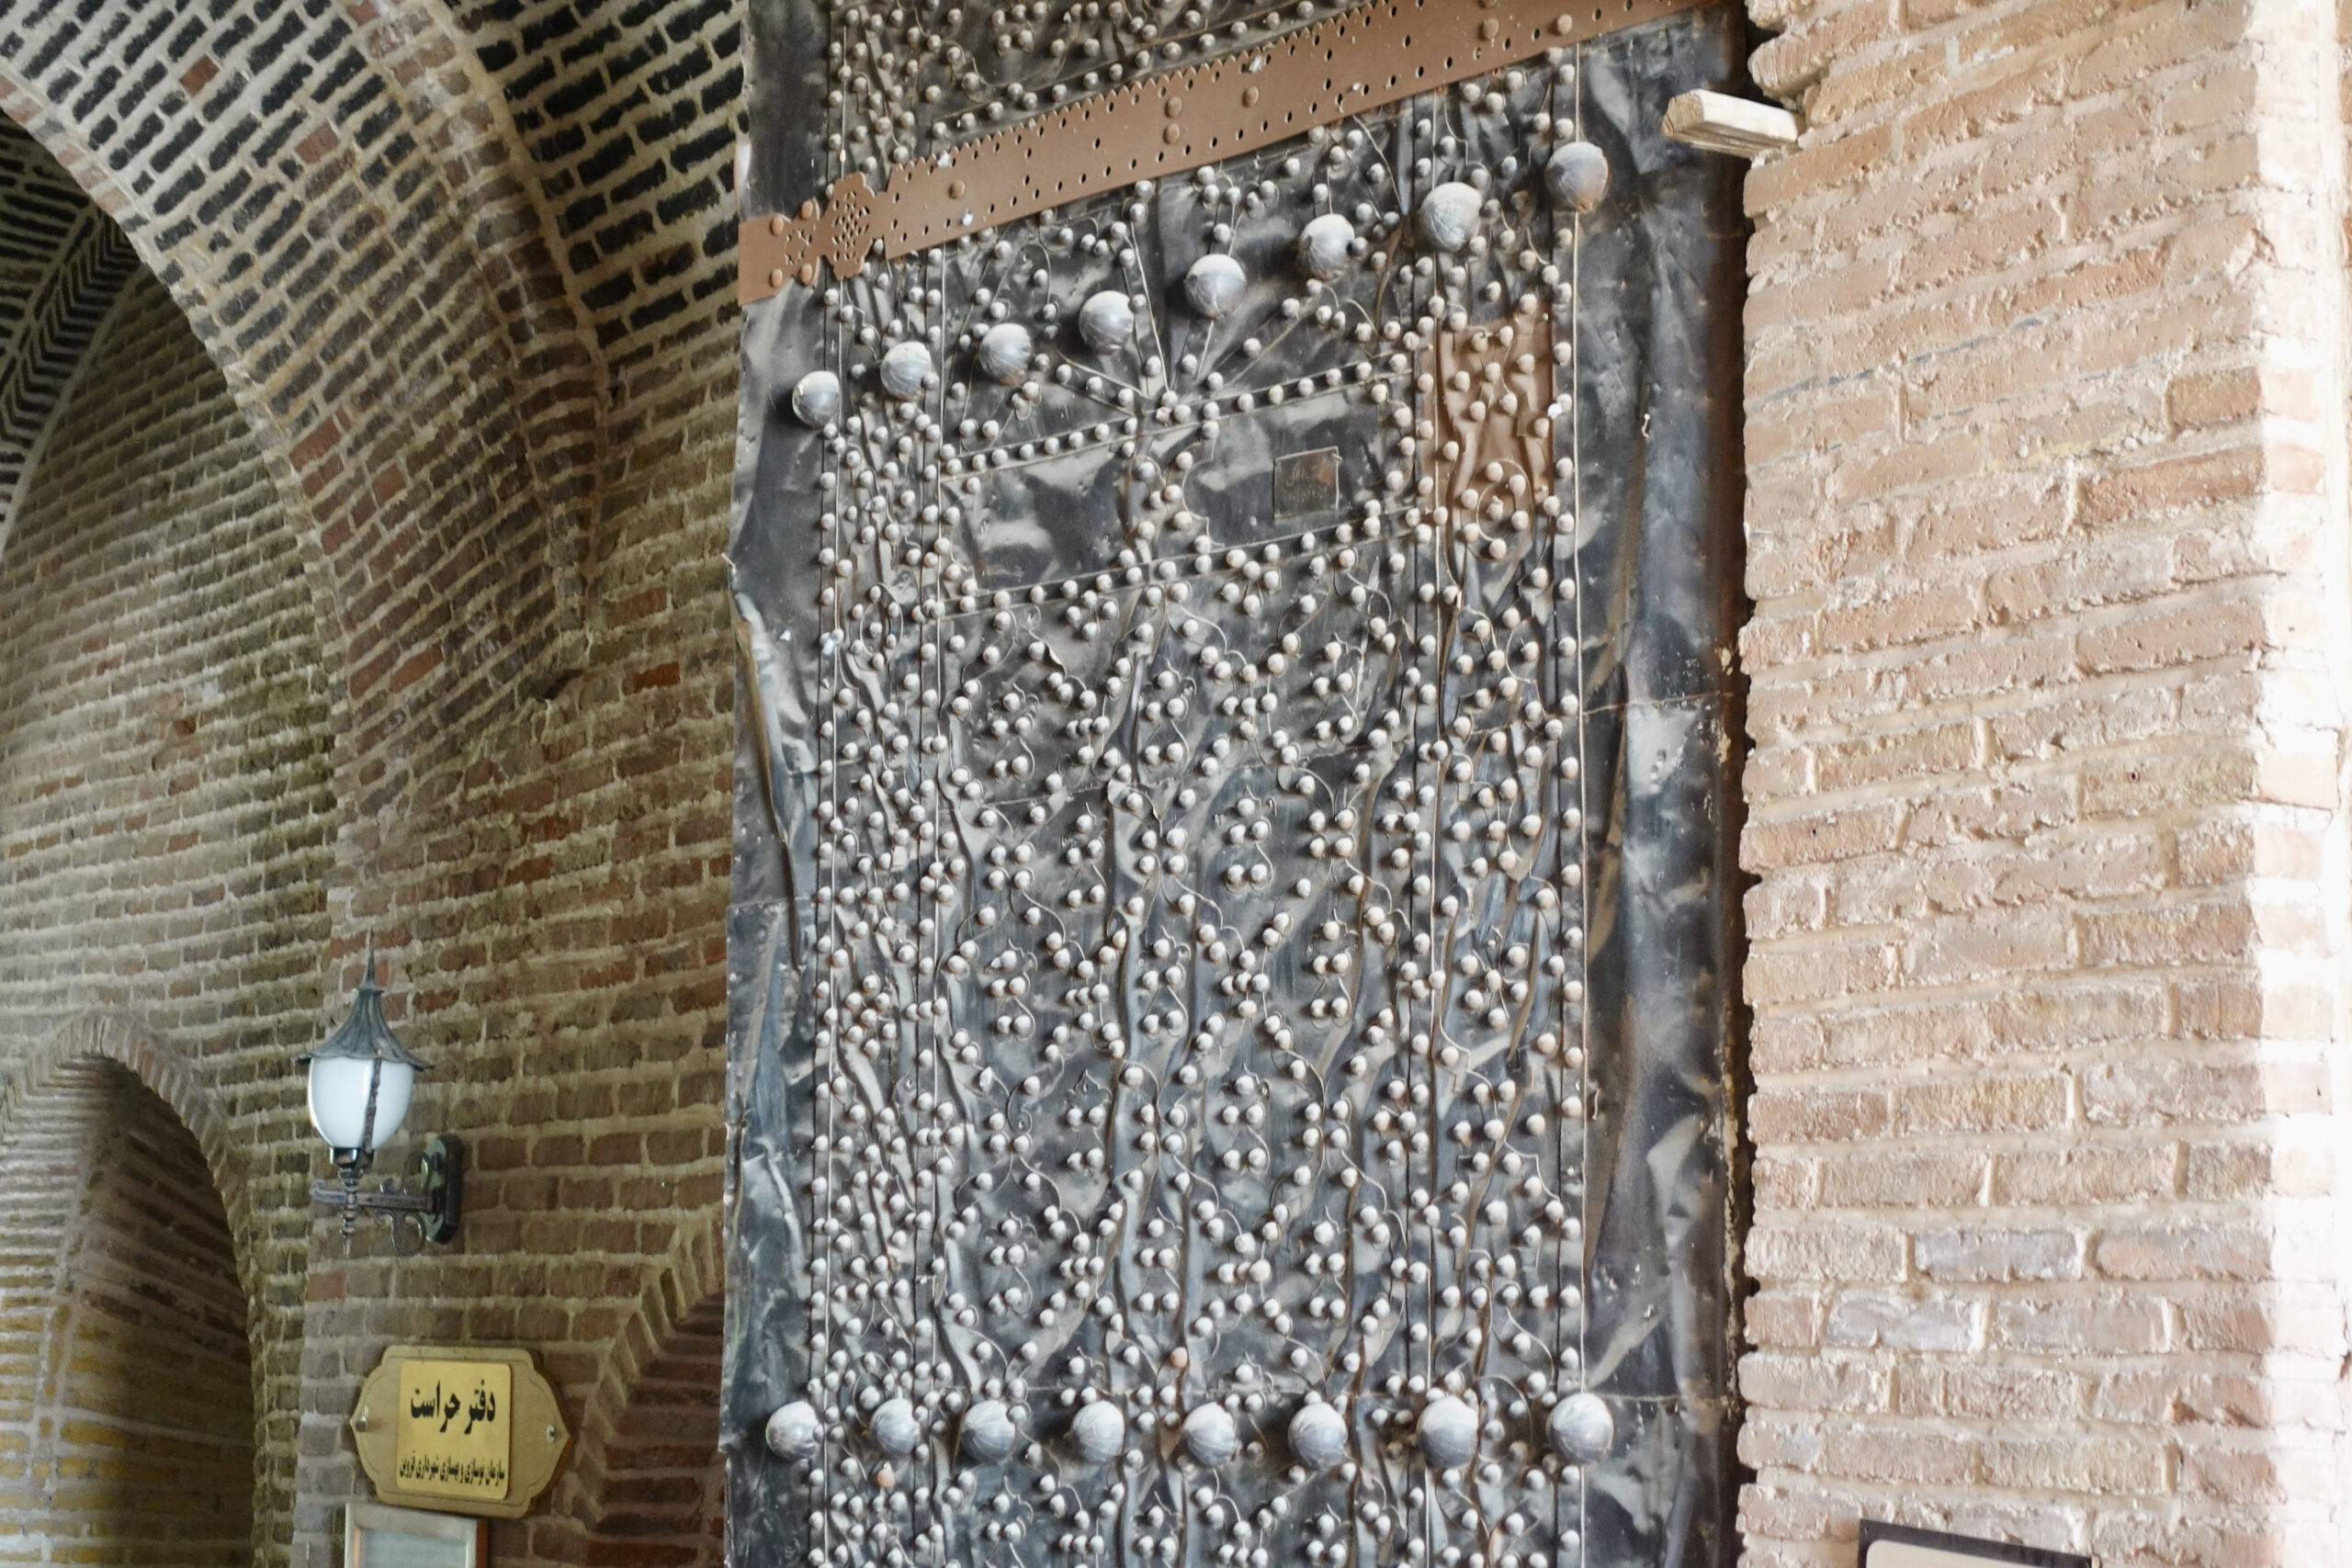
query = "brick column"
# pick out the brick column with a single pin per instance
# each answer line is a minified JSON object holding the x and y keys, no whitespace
{"x":2047,"y":539}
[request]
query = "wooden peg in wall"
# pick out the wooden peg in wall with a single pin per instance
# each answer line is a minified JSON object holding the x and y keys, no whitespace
{"x":1721,"y":123}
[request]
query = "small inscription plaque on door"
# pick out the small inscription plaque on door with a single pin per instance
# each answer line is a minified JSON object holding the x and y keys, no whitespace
{"x":456,"y":1430}
{"x":1306,"y":483}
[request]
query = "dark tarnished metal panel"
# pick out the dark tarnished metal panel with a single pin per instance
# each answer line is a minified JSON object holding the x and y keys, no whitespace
{"x":1233,"y":942}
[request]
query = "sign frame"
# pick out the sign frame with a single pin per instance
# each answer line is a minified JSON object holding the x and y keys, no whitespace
{"x":363,"y":1522}
{"x":541,"y":1438}
{"x":1958,"y":1549}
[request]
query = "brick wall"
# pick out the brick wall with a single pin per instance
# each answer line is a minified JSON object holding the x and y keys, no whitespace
{"x":126,"y":1383}
{"x":565,"y":908}
{"x":166,"y":821}
{"x":2047,"y":540}
{"x":166,"y":814}
{"x":513,"y":740}
{"x":629,"y":110}
{"x":336,"y":199}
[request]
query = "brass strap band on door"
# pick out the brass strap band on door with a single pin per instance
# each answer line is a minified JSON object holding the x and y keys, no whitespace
{"x":1167,"y":124}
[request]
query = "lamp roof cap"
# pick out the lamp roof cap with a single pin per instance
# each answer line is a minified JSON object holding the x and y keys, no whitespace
{"x":365,"y":1036}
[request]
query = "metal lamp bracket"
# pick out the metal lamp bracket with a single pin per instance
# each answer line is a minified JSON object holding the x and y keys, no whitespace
{"x":434,"y":1209}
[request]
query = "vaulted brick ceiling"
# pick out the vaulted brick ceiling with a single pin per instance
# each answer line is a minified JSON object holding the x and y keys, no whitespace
{"x":426,"y":245}
{"x":334,"y":197}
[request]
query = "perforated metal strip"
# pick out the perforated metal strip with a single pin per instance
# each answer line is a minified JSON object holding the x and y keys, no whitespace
{"x":1166,"y":124}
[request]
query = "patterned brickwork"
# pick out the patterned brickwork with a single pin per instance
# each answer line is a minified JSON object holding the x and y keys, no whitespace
{"x":2046,"y":546}
{"x":61,"y":265}
{"x":126,"y":1381}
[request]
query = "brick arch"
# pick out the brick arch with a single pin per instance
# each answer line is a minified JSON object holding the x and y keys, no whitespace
{"x":662,"y":1503}
{"x":160,"y":1067}
{"x":335,"y":199}
{"x":643,"y":1487}
{"x":167,"y":805}
{"x":630,"y":117}
{"x":128,"y":1355}
{"x":63,"y":263}
{"x":155,"y":1062}
{"x":163,"y":1070}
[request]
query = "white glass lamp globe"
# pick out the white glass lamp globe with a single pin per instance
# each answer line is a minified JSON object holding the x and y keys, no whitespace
{"x":339,"y":1101}
{"x":361,"y":1078}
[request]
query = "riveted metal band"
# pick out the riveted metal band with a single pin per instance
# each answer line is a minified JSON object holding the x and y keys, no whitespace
{"x":1167,"y":124}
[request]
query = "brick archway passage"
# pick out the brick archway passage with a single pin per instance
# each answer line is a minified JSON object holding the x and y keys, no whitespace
{"x":662,"y":1503}
{"x":126,"y":1378}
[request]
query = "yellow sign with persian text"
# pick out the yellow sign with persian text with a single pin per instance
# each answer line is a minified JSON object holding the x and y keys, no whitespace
{"x":455,"y":1428}
{"x":493,"y":1455}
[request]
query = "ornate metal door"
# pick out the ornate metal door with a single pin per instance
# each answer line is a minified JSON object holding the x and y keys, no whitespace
{"x":1233,"y":918}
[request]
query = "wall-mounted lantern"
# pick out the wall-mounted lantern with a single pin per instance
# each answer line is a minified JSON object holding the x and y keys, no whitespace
{"x":360,"y":1081}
